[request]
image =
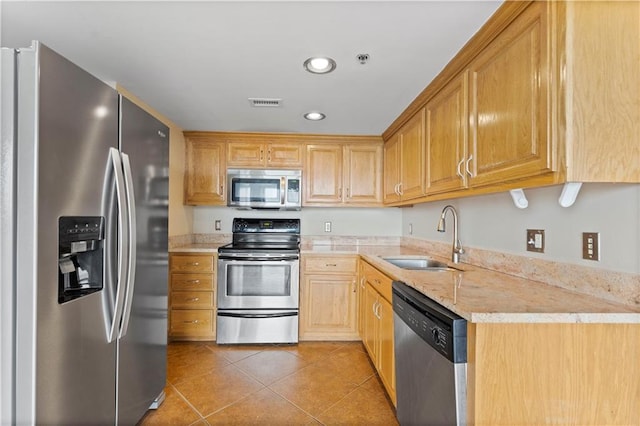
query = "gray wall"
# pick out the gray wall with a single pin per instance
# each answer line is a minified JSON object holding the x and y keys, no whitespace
{"x":493,"y":222}
{"x":489,"y":222}
{"x":369,"y":222}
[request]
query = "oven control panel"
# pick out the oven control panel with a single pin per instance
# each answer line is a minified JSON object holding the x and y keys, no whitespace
{"x":255,"y":225}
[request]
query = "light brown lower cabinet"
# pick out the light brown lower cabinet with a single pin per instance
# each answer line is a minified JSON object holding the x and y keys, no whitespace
{"x":377,"y":324}
{"x":328,"y":298}
{"x":192,"y":296}
{"x":570,"y":374}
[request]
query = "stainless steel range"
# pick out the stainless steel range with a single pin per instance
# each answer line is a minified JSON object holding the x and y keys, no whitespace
{"x":258,"y":282}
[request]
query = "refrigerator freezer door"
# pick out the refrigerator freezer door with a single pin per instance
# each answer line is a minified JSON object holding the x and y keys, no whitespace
{"x":142,"y":347}
{"x":67,"y":121}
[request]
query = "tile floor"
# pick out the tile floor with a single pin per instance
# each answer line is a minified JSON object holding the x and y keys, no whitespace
{"x":312,"y":383}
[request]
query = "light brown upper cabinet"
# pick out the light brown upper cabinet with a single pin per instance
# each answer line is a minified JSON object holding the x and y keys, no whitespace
{"x":509,"y":103}
{"x":446,"y":137}
{"x":285,"y":155}
{"x":544,"y":93}
{"x":343,"y":174}
{"x":404,"y":162}
{"x":205,"y":172}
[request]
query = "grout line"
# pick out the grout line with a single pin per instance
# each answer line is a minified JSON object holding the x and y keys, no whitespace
{"x":189,"y":404}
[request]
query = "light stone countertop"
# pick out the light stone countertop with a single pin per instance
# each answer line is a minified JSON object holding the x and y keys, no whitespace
{"x":479,"y":295}
{"x":197,"y":248}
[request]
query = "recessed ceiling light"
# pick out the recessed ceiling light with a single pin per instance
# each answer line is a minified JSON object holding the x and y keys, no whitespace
{"x":319,"y":65}
{"x":314,"y":116}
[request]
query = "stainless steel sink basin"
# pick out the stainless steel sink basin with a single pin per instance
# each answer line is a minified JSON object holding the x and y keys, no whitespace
{"x":419,"y":264}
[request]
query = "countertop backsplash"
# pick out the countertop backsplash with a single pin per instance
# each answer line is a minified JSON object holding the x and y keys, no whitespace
{"x":620,"y":287}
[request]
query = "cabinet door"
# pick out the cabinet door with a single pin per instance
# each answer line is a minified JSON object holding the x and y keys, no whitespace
{"x":205,"y":173}
{"x":391,"y":178}
{"x":413,"y":158}
{"x":386,"y":361}
{"x":508,"y":99}
{"x":446,"y":137}
{"x":246,"y":154}
{"x":363,"y":174}
{"x":285,"y":155}
{"x":370,"y":327}
{"x":328,"y":311}
{"x":362,"y":306}
{"x":323,"y":183}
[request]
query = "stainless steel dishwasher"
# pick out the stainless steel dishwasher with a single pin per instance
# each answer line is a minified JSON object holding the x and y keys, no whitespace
{"x":431,"y":360}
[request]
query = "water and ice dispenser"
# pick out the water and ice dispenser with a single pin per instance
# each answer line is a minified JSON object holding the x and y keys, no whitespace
{"x":80,"y":256}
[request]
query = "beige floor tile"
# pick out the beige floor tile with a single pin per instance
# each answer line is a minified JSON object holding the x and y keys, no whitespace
{"x":200,"y":360}
{"x":235,"y":353}
{"x":261,"y":408}
{"x":360,"y":407}
{"x":312,"y":389}
{"x":221,"y":387}
{"x":351,"y":363}
{"x":313,"y":351}
{"x":177,"y":348}
{"x":270,"y":366}
{"x":173,"y":411}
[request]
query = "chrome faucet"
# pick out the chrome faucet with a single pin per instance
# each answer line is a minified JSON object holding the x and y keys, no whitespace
{"x":457,"y":249}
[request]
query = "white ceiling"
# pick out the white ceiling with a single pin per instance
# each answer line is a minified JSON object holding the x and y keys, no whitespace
{"x":198,"y":62}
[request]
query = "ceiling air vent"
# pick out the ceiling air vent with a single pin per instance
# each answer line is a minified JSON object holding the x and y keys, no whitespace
{"x":265,"y":102}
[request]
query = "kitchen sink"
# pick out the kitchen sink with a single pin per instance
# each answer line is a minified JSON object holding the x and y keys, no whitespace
{"x":419,"y":264}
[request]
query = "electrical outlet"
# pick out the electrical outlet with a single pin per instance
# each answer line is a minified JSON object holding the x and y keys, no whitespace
{"x":591,"y":246}
{"x":327,"y":227}
{"x":535,"y":240}
{"x":218,"y":225}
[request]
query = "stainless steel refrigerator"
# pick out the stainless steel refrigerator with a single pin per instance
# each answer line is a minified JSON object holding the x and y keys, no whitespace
{"x":83,"y":250}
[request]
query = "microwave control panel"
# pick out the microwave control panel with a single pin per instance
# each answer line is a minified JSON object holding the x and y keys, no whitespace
{"x":293,"y":190}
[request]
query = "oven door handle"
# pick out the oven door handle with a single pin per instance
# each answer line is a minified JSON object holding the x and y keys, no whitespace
{"x":273,"y":315}
{"x":258,"y":258}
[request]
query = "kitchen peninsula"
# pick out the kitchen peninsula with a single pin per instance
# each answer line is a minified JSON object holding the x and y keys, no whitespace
{"x":543,"y":353}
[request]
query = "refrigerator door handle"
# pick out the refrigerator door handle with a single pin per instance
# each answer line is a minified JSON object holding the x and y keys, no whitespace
{"x":123,"y":243}
{"x":131,"y":273}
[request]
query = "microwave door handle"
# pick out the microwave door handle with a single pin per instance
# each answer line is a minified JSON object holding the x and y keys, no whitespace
{"x":283,"y":182}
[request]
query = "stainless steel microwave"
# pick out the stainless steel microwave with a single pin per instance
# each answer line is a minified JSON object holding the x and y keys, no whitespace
{"x":264,"y":189}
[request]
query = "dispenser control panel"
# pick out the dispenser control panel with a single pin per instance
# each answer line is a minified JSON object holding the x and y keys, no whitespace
{"x":79,"y":228}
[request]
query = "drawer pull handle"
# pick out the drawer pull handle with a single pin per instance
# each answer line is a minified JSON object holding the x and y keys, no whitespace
{"x":191,"y":322}
{"x":194,"y":264}
{"x":331,"y":264}
{"x":377,"y":281}
{"x":194,"y":281}
{"x":193,"y":299}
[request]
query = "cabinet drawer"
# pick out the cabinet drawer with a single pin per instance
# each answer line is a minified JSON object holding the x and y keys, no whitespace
{"x":330,"y":264}
{"x":192,"y":299}
{"x":191,"y":322}
{"x":378,"y":280}
{"x":191,"y":263}
{"x":191,"y":282}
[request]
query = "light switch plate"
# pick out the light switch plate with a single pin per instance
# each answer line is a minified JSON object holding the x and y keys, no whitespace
{"x":591,"y":246}
{"x":535,"y":240}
